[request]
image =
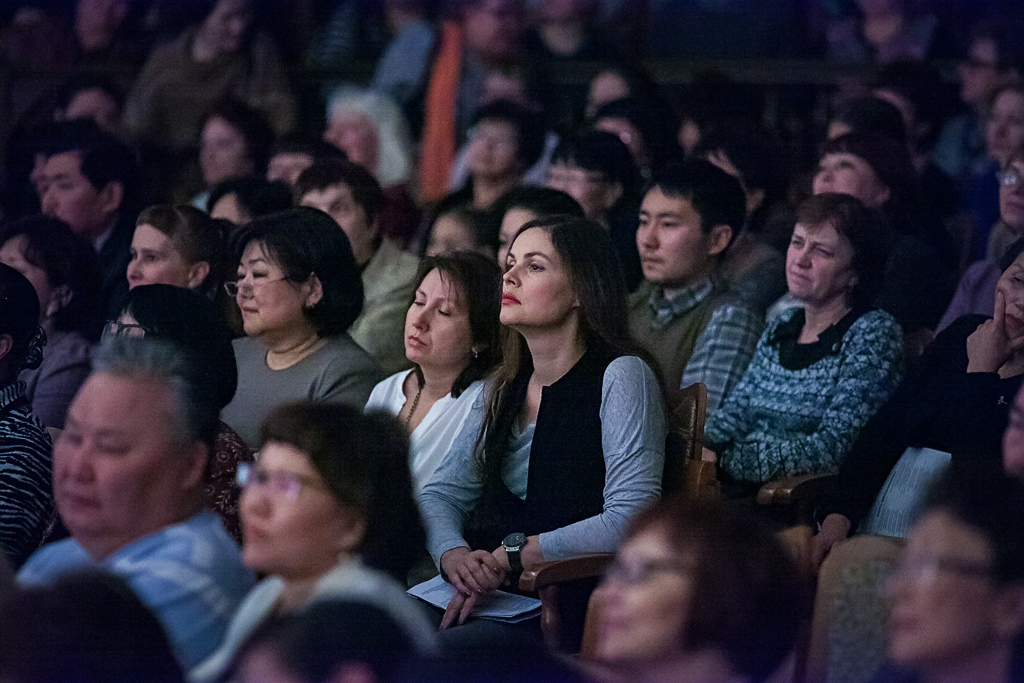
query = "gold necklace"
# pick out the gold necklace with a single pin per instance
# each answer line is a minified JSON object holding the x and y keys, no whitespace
{"x":415,"y":404}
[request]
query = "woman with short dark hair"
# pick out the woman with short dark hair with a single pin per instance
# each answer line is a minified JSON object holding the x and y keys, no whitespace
{"x":299,"y":290}
{"x":819,"y":371}
{"x":328,"y":513}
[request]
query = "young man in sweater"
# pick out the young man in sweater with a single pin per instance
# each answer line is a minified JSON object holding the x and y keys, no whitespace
{"x":685,"y":317}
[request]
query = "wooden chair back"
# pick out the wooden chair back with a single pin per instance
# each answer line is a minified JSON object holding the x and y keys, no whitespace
{"x":685,"y":472}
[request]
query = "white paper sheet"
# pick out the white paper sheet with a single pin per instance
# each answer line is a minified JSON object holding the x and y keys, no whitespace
{"x":499,"y":606}
{"x":899,"y":500}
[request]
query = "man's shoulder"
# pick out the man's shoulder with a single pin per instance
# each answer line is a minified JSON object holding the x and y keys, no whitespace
{"x":390,"y":268}
{"x":52,"y":560}
{"x":200,"y":542}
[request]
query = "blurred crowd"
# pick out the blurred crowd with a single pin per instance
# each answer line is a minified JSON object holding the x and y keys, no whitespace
{"x":305,"y":303}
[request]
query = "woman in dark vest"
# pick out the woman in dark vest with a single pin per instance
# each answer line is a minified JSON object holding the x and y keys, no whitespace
{"x":573,"y":428}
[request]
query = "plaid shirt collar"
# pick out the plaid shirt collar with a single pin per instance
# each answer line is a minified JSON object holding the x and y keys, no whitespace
{"x":667,"y":310}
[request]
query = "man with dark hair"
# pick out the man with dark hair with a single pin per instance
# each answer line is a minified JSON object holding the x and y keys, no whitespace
{"x":293,"y":154}
{"x":128,"y":483}
{"x":595,"y":168}
{"x":692,"y":326}
{"x":350,"y":195}
{"x":88,"y":182}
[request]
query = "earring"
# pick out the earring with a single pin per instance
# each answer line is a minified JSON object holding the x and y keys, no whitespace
{"x":476,"y":354}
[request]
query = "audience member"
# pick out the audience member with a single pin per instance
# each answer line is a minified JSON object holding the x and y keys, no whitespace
{"x":350,"y":195}
{"x":644,"y":128}
{"x":479,"y":37}
{"x":886,"y":31}
{"x":87,"y":627}
{"x":868,"y":115}
{"x":88,"y":181}
{"x":955,"y":400}
{"x":402,"y":68}
{"x":222,"y":55}
{"x":180,"y":246}
{"x":877,"y":171}
{"x":596,"y":169}
{"x":754,"y":265}
{"x":573,"y":435}
{"x":566,"y":31}
{"x":87,"y":96}
{"x":974,"y":293}
{"x":821,"y":371}
{"x":234,"y":143}
{"x":525,"y":204}
{"x":354,"y":527}
{"x":957,"y":594}
{"x":682,"y":313}
{"x":339,"y":639}
{"x":993,"y":62}
{"x":698,"y":594}
{"x":504,"y":142}
{"x":1004,"y":133}
{"x":25,"y":484}
{"x":188,"y":319}
{"x":452,"y":340}
{"x":299,"y":291}
{"x":240,"y":200}
{"x":916,"y":90}
{"x":459,"y":227}
{"x":370,"y":129}
{"x":292,"y":154}
{"x":139,"y":514}
{"x":64,"y":272}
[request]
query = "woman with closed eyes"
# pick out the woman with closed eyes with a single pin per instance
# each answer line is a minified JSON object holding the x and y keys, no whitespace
{"x":451,"y":337}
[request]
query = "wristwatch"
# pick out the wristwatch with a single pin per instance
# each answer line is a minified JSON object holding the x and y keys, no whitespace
{"x":513,"y":545}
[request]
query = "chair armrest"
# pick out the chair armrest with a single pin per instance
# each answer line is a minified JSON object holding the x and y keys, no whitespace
{"x":790,"y":490}
{"x":559,"y":571}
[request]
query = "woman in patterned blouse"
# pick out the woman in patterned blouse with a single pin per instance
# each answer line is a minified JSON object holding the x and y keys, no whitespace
{"x":820,"y":370}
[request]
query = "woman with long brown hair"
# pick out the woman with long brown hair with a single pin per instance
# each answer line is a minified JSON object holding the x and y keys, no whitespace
{"x":573,"y":428}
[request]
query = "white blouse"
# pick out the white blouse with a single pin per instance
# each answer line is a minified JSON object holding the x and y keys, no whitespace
{"x":433,"y":437}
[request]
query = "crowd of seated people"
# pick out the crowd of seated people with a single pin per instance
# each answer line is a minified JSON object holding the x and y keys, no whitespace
{"x":271,"y":355}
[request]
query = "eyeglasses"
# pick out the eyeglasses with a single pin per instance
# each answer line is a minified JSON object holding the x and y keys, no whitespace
{"x":287,"y":485}
{"x":634,"y":575}
{"x":1009,"y":178}
{"x":928,"y":569}
{"x":232,"y":288}
{"x":116,"y":328}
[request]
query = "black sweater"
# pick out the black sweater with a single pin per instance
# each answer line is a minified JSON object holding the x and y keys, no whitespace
{"x":938,"y":405}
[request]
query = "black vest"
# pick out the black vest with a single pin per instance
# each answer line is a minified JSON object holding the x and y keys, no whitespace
{"x":565,"y":483}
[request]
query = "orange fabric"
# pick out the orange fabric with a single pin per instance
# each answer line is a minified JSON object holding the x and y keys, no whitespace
{"x":439,"y":125}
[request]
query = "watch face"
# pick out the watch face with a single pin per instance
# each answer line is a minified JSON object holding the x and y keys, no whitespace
{"x":515,"y":540}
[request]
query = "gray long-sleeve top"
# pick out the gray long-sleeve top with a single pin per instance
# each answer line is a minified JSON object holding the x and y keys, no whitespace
{"x":633,"y":441}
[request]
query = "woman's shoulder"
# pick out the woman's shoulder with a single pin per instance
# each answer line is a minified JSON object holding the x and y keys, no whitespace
{"x":388,"y":391}
{"x":875,"y":321}
{"x":343,"y":348}
{"x":628,"y":366}
{"x":629,"y":375}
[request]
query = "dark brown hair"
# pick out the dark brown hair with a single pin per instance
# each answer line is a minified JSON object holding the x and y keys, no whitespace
{"x":863,"y":228}
{"x":749,"y":596}
{"x":364,"y":462}
{"x":477,"y":283}
{"x":595,"y":276}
